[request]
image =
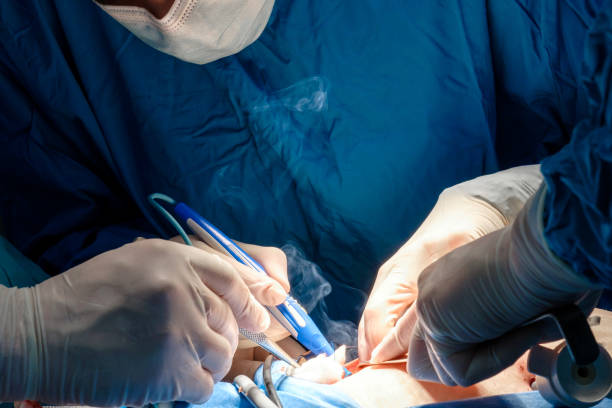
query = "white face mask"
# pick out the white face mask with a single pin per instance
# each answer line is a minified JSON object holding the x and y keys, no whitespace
{"x":198,"y":31}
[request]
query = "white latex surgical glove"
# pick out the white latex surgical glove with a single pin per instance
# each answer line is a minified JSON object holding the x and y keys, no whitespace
{"x":466,"y":325}
{"x":462,"y":214}
{"x":274,"y":261}
{"x":151,"y":321}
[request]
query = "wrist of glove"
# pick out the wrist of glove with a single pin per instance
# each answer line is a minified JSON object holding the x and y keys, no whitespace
{"x":466,"y":325}
{"x":17,"y":314}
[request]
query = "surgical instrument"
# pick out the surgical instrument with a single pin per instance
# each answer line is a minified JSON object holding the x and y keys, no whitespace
{"x":251,"y":392}
{"x":269,"y":382}
{"x":260,"y":338}
{"x":289,"y":313}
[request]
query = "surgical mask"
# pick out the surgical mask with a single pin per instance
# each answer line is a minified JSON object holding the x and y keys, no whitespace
{"x":198,"y":31}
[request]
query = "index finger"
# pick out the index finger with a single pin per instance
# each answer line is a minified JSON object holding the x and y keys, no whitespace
{"x":268,"y":290}
{"x":273,"y":260}
{"x":225,"y":281}
{"x":397,"y":341}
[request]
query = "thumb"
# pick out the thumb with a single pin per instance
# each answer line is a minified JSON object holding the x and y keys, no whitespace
{"x":397,"y":341}
{"x":384,"y":309}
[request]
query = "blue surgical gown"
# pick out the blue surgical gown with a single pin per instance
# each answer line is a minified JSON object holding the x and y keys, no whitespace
{"x":336,"y":130}
{"x":578,"y":211}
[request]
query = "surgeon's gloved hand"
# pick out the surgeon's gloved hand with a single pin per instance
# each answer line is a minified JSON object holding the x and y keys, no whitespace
{"x":466,"y":325}
{"x":273,"y":260}
{"x":462,"y":214}
{"x":150,"y":321}
{"x":266,"y":291}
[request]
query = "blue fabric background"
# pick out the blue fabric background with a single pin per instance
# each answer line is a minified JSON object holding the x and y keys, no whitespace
{"x":336,"y":130}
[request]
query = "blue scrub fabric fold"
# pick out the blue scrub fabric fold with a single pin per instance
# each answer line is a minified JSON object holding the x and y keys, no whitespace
{"x":336,"y":130}
{"x":578,"y":214}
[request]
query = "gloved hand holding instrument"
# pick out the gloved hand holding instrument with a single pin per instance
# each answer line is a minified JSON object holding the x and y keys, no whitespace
{"x":151,"y":321}
{"x":462,"y":214}
{"x":468,"y":322}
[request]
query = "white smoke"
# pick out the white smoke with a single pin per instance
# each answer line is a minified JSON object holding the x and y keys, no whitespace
{"x":309,"y":287}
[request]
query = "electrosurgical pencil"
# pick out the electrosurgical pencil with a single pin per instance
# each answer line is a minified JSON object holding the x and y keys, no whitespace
{"x":260,"y":338}
{"x":289,"y":313}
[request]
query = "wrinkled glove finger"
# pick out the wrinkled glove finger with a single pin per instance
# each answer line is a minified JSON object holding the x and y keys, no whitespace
{"x":272,"y":259}
{"x":216,"y":338}
{"x":489,"y":358}
{"x":442,"y":375}
{"x":215,"y":353}
{"x":385,"y":307}
{"x":265,"y":289}
{"x":197,"y":387}
{"x":419,"y":363}
{"x":423,"y":362}
{"x":397,"y":341}
{"x":268,"y":290}
{"x":219,"y":317}
{"x":225,"y":281}
{"x":363,"y":348}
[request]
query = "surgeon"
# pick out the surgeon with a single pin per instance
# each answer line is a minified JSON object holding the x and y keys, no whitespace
{"x":340,"y":142}
{"x":502,"y":249}
{"x":152,"y":320}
